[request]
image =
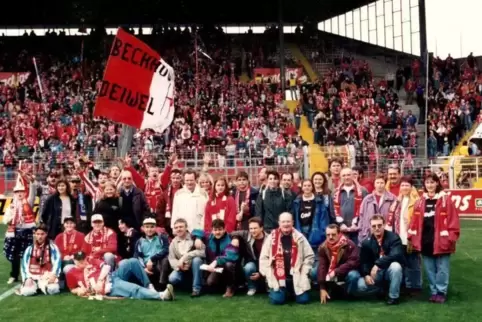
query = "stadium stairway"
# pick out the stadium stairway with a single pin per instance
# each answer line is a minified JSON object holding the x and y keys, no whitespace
{"x":317,"y":159}
{"x":296,"y":52}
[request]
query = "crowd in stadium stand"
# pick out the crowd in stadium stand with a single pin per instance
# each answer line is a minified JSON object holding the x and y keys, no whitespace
{"x":454,"y":103}
{"x":232,"y":118}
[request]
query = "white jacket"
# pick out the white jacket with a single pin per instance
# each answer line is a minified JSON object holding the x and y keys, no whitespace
{"x":190,"y":206}
{"x":304,"y":263}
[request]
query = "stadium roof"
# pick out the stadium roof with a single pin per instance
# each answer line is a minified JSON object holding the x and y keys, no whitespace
{"x":34,"y":12}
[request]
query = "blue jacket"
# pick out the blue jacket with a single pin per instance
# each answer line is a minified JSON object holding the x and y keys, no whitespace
{"x":320,"y":221}
{"x":229,"y":253}
{"x":154,"y":250}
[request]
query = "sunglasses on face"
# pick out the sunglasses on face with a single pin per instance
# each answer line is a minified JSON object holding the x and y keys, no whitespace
{"x":126,"y":179}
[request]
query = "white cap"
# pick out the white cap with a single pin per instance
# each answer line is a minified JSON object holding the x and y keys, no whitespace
{"x":19,"y":186}
{"x":149,"y":221}
{"x":97,"y":217}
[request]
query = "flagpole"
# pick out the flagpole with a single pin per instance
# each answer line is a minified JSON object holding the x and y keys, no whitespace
{"x":38,"y":79}
{"x":197,"y":69}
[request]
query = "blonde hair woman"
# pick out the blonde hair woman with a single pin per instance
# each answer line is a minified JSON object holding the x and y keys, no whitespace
{"x":110,"y":206}
{"x":399,"y":218}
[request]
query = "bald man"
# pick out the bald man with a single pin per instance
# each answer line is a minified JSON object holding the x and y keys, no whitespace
{"x":134,"y":203}
{"x":286,"y":261}
{"x":347,"y":200}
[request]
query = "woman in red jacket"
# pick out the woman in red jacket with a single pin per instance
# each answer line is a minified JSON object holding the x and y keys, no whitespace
{"x":221,"y":205}
{"x":434,"y":231}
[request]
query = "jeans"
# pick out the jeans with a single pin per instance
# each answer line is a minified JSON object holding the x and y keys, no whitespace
{"x":177,"y":277}
{"x":127,"y":270}
{"x":437,"y":269}
{"x":351,"y":282}
{"x":249,"y":269}
{"x":314,"y":270}
{"x":394,"y":275}
{"x":279,"y":297}
{"x":412,"y":271}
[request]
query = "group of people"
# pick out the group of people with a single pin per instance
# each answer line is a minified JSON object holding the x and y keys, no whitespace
{"x":350,"y":235}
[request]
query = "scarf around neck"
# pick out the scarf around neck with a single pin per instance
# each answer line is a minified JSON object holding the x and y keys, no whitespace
{"x":334,"y":251}
{"x":358,"y":201}
{"x":278,"y":257}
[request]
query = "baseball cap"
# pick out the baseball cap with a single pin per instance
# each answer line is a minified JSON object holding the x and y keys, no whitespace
{"x":149,"y":221}
{"x":97,"y":217}
{"x":80,"y":255}
{"x":69,"y":219}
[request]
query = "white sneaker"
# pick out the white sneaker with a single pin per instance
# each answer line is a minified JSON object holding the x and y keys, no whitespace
{"x":11,"y":280}
{"x":168,"y":294}
{"x":151,"y":287}
{"x":251,"y":292}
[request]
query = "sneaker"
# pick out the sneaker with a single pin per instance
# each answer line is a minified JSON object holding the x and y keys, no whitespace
{"x":433,"y":299}
{"x":195,"y":294}
{"x":440,"y":298}
{"x":11,"y":280}
{"x":251,"y":292}
{"x":151,"y":287}
{"x":168,"y":294}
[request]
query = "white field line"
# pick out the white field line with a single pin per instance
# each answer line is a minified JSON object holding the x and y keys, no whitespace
{"x":6,"y":294}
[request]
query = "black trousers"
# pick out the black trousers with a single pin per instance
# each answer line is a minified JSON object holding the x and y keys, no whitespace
{"x":227,"y":278}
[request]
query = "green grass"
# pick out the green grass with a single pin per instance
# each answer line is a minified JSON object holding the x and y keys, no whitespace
{"x":463,"y":304}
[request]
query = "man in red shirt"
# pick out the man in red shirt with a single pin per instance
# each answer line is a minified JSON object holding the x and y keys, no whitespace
{"x":101,"y":242}
{"x":90,"y":278}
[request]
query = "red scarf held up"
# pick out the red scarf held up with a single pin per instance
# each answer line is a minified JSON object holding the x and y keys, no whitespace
{"x":334,"y":251}
{"x":358,"y":202}
{"x":277,"y":253}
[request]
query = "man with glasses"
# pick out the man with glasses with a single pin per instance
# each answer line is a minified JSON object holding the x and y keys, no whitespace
{"x":134,"y":202}
{"x":381,"y":260}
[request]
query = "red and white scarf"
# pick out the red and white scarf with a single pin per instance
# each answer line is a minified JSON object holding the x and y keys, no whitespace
{"x":278,"y":258}
{"x":334,"y":251}
{"x":153,"y":192}
{"x":358,"y":202}
{"x":68,"y":242}
{"x":93,"y":234}
{"x":40,"y":258}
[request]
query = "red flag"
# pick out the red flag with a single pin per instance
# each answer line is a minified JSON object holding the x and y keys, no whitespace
{"x":138,"y":86}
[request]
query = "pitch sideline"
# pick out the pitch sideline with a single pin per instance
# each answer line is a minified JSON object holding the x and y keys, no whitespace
{"x":9,"y":292}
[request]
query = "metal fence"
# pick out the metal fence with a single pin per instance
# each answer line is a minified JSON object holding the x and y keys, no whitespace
{"x":221,"y":162}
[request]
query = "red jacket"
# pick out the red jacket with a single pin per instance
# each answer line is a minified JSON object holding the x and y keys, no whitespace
{"x":447,"y":225}
{"x":223,"y":207}
{"x":69,"y":244}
